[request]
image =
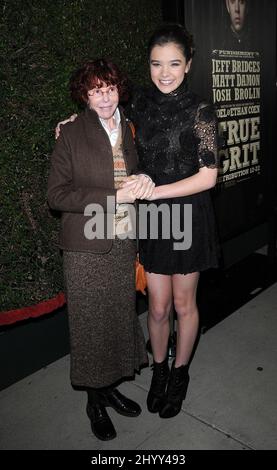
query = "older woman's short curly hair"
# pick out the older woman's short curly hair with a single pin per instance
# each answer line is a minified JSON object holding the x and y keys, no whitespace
{"x":96,"y":74}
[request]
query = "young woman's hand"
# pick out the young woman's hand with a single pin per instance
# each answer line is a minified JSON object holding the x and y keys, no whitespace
{"x":152,"y":196}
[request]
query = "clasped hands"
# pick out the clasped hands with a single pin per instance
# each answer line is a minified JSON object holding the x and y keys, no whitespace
{"x":135,"y":187}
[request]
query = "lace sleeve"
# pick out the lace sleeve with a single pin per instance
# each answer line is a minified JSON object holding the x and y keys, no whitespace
{"x":206,"y":131}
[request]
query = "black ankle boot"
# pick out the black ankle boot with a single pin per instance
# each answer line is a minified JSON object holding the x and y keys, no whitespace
{"x":156,"y":395}
{"x":176,"y":391}
{"x":101,"y":424}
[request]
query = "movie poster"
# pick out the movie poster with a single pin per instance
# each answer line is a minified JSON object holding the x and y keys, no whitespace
{"x":236,"y":94}
{"x":230,"y":69}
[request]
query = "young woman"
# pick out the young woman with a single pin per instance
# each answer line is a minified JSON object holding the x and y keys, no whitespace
{"x":176,"y":141}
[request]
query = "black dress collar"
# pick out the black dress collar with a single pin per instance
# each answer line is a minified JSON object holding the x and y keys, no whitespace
{"x":174,"y":95}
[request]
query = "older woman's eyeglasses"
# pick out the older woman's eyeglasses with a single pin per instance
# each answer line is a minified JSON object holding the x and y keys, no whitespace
{"x":100,"y":92}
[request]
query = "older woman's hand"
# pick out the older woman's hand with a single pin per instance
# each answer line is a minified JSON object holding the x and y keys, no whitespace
{"x":61,"y":123}
{"x":126,"y":194}
{"x":144,"y":185}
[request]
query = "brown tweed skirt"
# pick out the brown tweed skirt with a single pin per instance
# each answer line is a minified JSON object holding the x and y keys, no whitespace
{"x":106,"y":338}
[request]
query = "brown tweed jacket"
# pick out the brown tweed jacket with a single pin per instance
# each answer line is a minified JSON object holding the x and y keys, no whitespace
{"x":82,"y":173}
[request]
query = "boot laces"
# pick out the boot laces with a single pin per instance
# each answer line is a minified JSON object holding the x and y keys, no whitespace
{"x":177,"y":384}
{"x":159,"y":379}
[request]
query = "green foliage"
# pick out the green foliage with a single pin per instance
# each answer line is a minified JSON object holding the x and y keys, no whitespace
{"x":41,"y":43}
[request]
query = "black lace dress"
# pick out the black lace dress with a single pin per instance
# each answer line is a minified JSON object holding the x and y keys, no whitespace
{"x":176,"y":134}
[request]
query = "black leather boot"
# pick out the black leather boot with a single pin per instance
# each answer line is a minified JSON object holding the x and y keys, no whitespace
{"x":156,"y":395}
{"x":121,"y":404}
{"x":176,"y":391}
{"x":101,"y":424}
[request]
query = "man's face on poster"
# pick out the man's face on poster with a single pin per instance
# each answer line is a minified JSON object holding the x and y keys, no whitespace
{"x":237,"y":12}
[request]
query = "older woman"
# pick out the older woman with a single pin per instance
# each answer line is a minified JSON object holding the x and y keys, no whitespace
{"x":92,"y":157}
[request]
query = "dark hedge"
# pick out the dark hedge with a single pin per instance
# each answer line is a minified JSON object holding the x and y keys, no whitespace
{"x":41,"y":43}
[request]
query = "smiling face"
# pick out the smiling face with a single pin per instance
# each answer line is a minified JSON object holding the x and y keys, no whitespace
{"x":168,"y":67}
{"x":237,"y":12}
{"x":104,"y":101}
